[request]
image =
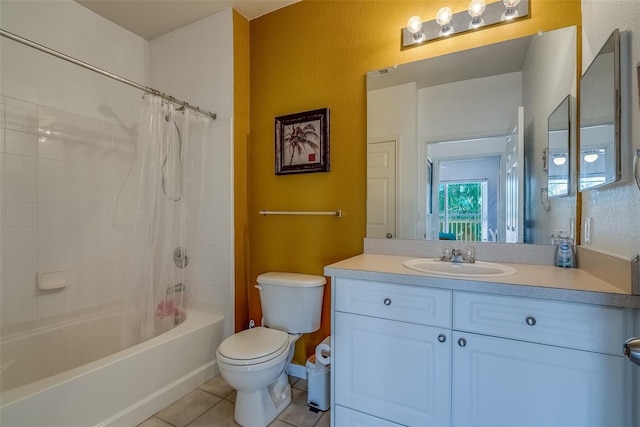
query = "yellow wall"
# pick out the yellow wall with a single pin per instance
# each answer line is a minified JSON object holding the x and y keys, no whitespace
{"x":315,"y":54}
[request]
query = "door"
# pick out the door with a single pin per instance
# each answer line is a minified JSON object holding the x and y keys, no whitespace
{"x":381,"y":189}
{"x":501,"y":382}
{"x":514,"y":182}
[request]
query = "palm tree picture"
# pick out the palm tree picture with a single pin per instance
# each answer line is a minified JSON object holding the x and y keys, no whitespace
{"x":302,"y":142}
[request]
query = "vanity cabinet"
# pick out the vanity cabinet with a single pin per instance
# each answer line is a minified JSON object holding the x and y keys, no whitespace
{"x":392,"y":357}
{"x":522,"y":361}
{"x":420,"y":356}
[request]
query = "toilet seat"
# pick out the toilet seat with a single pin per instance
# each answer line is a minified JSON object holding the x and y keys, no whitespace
{"x":253,"y":346}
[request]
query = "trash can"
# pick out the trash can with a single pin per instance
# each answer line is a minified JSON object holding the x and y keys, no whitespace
{"x":317,"y":384}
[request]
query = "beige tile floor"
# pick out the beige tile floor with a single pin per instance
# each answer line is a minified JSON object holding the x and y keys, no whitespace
{"x":212,"y":404}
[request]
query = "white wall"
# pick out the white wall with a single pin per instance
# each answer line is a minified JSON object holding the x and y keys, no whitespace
{"x":75,"y":231}
{"x":66,"y":148}
{"x":392,"y":114}
{"x":469,"y":109}
{"x":548,"y":76}
{"x":67,"y":27}
{"x":615,"y":211}
{"x":195,"y":64}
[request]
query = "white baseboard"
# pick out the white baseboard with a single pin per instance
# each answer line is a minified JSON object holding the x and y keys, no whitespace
{"x":297,"y":371}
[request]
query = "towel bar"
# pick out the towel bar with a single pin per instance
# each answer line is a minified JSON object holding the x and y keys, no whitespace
{"x":337,"y":213}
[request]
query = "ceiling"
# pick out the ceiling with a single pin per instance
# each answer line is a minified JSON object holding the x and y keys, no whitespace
{"x":152,"y":18}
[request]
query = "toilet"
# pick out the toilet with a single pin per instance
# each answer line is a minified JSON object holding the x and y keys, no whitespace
{"x":254,"y":361}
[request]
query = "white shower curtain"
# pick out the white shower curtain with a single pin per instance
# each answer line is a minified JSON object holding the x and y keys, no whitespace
{"x":169,"y":173}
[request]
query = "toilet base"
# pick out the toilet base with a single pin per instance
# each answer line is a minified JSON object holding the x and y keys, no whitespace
{"x":259,"y":408}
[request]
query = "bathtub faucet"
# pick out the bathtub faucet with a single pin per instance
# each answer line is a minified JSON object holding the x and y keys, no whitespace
{"x":173,"y":289}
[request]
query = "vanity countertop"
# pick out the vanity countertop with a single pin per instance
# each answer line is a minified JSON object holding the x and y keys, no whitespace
{"x":533,"y":281}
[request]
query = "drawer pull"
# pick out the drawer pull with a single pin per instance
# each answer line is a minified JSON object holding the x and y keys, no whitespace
{"x":531,"y":320}
{"x":387,"y":301}
{"x":462,"y":342}
{"x":442,"y":337}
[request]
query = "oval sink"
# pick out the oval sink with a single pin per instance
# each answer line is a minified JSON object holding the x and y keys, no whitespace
{"x":446,"y":268}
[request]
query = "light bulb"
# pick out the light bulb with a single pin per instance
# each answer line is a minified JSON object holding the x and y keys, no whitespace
{"x":476,"y":9}
{"x":414,"y":26}
{"x":511,"y":11}
{"x":590,"y":158}
{"x":443,"y":18}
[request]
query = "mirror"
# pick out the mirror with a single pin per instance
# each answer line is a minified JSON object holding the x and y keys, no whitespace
{"x":455,"y":143}
{"x":558,"y":153}
{"x":601,"y":117}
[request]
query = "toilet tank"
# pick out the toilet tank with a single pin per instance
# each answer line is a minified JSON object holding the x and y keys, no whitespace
{"x":291,"y":302}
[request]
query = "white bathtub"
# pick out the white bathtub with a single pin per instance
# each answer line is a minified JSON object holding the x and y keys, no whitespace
{"x":121,"y":389}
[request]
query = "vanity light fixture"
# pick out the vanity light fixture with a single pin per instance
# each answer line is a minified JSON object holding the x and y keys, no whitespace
{"x":476,"y":9}
{"x":478,"y":15}
{"x":511,"y":12}
{"x":443,"y":18}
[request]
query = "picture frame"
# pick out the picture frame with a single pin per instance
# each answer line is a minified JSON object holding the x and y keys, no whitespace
{"x":302,"y":142}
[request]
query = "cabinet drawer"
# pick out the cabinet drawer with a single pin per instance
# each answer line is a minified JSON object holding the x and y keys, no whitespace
{"x":412,"y":304}
{"x":572,"y":325}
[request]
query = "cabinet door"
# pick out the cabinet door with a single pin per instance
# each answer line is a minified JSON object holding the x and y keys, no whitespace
{"x":345,"y":417}
{"x":500,"y":382}
{"x":393,"y":370}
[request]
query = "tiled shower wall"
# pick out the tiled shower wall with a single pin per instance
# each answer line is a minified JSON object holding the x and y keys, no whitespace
{"x":67,"y":205}
{"x":64,"y":208}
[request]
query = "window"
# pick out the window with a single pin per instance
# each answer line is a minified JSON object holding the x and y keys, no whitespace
{"x":463,"y":210}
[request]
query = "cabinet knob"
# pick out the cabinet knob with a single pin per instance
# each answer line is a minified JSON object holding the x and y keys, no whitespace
{"x":387,"y":301}
{"x":442,"y":337}
{"x":531,"y":320}
{"x":389,"y":236}
{"x":462,"y":342}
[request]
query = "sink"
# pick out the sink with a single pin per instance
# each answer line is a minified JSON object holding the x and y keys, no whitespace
{"x":446,"y":268}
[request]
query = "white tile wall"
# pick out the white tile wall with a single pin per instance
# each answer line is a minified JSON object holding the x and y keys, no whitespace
{"x":61,"y":177}
{"x":66,"y":205}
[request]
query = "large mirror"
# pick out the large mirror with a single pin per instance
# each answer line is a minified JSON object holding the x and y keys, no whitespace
{"x":560,"y":146}
{"x":455,"y":143}
{"x":601,"y":126}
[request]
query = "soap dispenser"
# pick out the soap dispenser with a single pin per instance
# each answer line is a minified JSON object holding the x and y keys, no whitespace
{"x":565,"y":257}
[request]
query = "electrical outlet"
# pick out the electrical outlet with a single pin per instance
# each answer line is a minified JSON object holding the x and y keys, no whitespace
{"x":587,"y":231}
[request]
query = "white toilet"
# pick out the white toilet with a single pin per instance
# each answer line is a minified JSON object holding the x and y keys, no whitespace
{"x":254,"y":361}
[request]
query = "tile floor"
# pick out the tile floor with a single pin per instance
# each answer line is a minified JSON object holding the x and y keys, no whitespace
{"x":212,"y":404}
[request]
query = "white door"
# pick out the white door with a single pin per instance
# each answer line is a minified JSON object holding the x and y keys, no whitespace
{"x":381,"y":189}
{"x":501,"y":382}
{"x":397,"y":371}
{"x":514,"y":182}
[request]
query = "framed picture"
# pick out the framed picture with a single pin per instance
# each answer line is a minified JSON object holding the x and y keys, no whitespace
{"x":302,"y":142}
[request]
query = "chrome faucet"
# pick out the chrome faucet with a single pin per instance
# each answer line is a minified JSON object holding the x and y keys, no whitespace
{"x":457,"y":255}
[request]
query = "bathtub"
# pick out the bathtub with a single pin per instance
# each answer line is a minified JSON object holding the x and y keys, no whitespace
{"x":121,"y":389}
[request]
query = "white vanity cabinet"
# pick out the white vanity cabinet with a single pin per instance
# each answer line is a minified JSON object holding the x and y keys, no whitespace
{"x":528,"y":362}
{"x":420,"y":356}
{"x":391,"y":354}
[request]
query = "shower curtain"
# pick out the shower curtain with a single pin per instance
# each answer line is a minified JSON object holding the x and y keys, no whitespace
{"x":169,"y":175}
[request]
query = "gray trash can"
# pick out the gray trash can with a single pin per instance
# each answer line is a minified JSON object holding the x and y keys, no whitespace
{"x":317,"y":384}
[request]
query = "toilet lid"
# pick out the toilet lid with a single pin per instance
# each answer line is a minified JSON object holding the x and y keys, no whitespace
{"x":256,"y":345}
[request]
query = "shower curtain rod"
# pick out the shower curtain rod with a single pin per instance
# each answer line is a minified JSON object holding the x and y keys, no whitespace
{"x":93,"y":68}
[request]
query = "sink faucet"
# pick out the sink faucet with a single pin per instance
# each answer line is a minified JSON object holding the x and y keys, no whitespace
{"x":456,"y":255}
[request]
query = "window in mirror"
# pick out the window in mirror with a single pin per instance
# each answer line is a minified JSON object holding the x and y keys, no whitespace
{"x":467,"y":190}
{"x":602,"y":131}
{"x":559,"y":149}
